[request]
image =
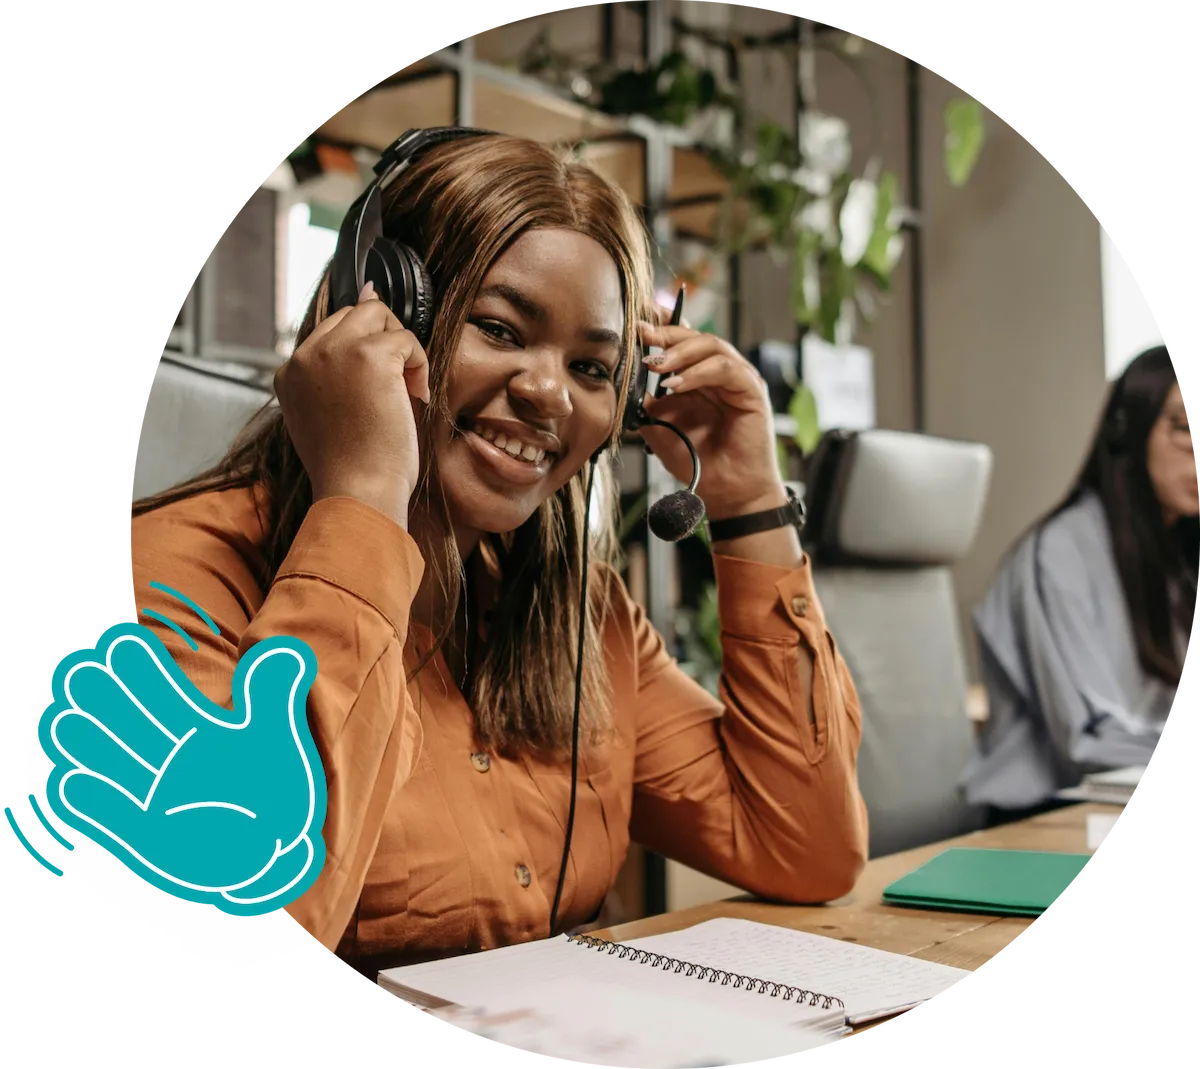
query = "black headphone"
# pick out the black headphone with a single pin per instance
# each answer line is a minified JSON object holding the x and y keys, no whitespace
{"x":402,"y":282}
{"x":1116,"y":428}
{"x":399,"y":275}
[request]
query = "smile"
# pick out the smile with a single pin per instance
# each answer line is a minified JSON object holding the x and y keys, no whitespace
{"x":511,"y":444}
{"x":510,"y":456}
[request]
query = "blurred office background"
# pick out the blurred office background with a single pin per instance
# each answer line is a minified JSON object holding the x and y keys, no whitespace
{"x":949,"y":284}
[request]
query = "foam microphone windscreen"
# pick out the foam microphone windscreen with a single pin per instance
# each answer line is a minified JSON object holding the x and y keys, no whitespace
{"x":675,"y":516}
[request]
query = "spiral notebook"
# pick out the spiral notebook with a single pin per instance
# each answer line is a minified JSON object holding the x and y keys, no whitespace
{"x":1114,"y":787}
{"x":743,"y":968}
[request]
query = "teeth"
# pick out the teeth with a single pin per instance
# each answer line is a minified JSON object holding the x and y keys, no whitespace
{"x":514,"y":447}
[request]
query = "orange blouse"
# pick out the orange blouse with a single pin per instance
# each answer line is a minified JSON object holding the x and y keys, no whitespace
{"x":433,"y":847}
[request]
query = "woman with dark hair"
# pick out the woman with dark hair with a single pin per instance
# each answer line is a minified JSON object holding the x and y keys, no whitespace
{"x":1083,"y":634}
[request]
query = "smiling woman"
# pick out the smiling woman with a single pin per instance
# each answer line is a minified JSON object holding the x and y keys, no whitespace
{"x":416,"y":514}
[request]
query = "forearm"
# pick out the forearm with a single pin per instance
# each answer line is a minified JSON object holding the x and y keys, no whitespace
{"x":765,"y":793}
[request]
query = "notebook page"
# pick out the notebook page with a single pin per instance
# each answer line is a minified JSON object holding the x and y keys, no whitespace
{"x":871,"y":982}
{"x":481,"y":979}
{"x":608,"y":1025}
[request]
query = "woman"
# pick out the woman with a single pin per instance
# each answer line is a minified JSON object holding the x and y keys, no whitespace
{"x":417,"y":519}
{"x":1083,"y":634}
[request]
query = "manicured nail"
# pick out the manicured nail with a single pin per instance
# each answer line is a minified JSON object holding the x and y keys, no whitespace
{"x":367,"y":291}
{"x":654,"y":359}
{"x":672,"y":383}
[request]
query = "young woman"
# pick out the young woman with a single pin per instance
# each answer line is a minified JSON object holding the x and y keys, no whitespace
{"x":417,"y":519}
{"x":1084,"y":632}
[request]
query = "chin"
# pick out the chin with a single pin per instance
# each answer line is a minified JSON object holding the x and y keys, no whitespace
{"x":487,"y":491}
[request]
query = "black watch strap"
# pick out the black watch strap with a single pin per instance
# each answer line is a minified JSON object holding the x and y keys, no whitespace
{"x":756,"y":522}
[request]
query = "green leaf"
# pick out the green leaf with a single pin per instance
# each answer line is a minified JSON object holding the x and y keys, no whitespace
{"x":807,"y":246}
{"x":303,"y":149}
{"x":326,"y":215}
{"x":875,"y":259}
{"x":964,"y":138}
{"x":803,"y":409}
{"x":708,"y":622}
{"x":837,"y":285}
{"x":628,"y":521}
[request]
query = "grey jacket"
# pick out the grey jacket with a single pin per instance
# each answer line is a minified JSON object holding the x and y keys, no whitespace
{"x":1066,"y":691}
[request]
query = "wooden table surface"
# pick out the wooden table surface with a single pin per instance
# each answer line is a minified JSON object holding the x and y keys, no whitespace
{"x":964,"y":940}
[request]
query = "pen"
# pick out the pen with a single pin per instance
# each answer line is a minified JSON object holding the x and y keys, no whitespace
{"x":676,"y":319}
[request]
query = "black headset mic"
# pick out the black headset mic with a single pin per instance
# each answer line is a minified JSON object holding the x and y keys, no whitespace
{"x":674,"y":517}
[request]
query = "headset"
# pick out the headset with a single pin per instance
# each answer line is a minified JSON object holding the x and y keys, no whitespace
{"x":1116,"y":427}
{"x":402,"y":281}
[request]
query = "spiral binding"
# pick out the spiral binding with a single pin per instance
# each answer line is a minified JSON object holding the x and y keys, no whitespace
{"x":705,"y":972}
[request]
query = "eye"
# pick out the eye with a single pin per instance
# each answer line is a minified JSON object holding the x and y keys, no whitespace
{"x":497,"y":332}
{"x":594,"y":369}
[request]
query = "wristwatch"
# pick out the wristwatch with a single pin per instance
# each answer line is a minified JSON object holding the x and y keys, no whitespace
{"x":757,"y":522}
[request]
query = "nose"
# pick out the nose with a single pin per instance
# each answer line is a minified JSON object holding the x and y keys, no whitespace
{"x":542,"y":387}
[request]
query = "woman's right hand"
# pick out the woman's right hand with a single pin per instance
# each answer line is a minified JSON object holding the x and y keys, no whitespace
{"x":345,"y":397}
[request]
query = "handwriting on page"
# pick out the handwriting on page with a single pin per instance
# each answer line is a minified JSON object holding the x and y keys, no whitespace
{"x":869,"y":981}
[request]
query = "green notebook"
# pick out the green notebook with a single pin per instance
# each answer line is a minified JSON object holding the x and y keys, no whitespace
{"x":1017,"y":883}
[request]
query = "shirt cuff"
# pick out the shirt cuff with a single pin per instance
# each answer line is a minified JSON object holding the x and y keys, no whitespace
{"x":765,"y":601}
{"x":357,"y":548}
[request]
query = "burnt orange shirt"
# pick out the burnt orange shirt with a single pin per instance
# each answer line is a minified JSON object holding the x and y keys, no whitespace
{"x":433,"y":847}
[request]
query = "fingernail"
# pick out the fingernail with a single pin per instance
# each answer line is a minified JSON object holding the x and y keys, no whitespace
{"x":654,"y":359}
{"x":367,"y":291}
{"x":672,"y":383}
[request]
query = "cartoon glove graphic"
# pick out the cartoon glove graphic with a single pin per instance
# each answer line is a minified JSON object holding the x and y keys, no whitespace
{"x":206,"y":804}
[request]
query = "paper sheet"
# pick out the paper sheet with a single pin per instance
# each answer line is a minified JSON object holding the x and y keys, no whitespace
{"x":1098,"y":827}
{"x":604,"y":1024}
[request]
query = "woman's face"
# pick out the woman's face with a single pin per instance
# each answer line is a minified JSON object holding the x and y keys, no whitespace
{"x":531,"y":389}
{"x":1171,"y":462}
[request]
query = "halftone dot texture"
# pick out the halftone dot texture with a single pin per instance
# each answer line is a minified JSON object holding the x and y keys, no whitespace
{"x":199,"y":934}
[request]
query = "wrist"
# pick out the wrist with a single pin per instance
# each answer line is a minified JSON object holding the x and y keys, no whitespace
{"x":723,"y":508}
{"x":387,"y":495}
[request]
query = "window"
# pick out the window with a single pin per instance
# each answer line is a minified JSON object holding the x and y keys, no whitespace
{"x":1132,"y":320}
{"x":309,"y":247}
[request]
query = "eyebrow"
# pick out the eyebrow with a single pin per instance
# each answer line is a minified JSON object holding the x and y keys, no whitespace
{"x":530,"y":308}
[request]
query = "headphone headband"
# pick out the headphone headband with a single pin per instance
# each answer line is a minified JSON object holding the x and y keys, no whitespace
{"x":363,"y":251}
{"x":411,"y":144}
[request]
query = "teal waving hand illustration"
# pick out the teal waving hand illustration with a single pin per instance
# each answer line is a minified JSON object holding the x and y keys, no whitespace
{"x":207,"y":804}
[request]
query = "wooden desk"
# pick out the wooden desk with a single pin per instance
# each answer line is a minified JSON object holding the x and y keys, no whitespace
{"x":964,"y":940}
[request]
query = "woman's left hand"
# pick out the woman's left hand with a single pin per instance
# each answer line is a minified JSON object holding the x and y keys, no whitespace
{"x":719,"y":400}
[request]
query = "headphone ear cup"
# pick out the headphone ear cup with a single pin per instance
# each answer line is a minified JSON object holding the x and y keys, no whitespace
{"x":422,"y":302}
{"x":402,"y":282}
{"x":637,"y":390}
{"x":1116,"y":431}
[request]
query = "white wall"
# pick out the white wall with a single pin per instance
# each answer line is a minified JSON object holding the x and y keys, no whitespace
{"x":1129,"y":325}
